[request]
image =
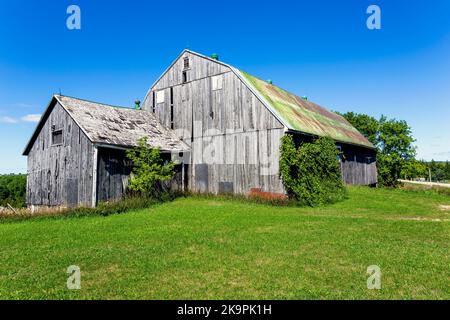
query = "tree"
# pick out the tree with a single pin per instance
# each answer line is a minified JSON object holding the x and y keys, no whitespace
{"x":393,"y":140}
{"x":447,"y":170}
{"x":414,"y":169}
{"x":395,"y":144}
{"x":311,"y":173}
{"x":438,"y":170}
{"x":149,"y":169}
{"x":13,"y":189}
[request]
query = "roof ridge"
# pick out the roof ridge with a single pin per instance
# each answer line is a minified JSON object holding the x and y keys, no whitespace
{"x":96,"y":102}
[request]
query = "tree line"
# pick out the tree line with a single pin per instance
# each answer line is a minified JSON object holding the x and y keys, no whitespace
{"x":12,"y":190}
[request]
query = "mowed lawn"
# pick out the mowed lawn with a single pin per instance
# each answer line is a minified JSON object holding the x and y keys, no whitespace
{"x":197,"y":248}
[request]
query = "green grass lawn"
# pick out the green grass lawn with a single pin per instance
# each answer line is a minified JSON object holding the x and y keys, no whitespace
{"x":198,"y":248}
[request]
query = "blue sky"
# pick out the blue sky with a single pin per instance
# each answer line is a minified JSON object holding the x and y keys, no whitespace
{"x":320,"y":48}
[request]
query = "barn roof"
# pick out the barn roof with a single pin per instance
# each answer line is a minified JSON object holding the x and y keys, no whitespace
{"x":302,"y":115}
{"x":116,"y":126}
{"x":295,"y":113}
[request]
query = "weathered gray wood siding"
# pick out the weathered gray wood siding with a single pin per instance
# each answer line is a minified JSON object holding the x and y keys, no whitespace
{"x":60,"y":175}
{"x":234,"y":138}
{"x":113,"y":172}
{"x":358,"y":165}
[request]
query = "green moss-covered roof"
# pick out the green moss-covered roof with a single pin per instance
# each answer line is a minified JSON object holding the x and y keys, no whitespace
{"x":305,"y":116}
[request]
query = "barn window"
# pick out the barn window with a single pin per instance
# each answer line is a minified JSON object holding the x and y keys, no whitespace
{"x":160,"y":96}
{"x":186,"y":63}
{"x":153,"y":102}
{"x":57,"y":137}
{"x":184,"y":77}
{"x":339,"y":157}
{"x":217,"y":83}
{"x":171,"y":108}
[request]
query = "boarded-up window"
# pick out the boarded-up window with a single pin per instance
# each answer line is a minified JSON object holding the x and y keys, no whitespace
{"x":217,"y":82}
{"x":57,"y":137}
{"x":171,"y":107}
{"x":160,"y":98}
{"x":153,"y":102}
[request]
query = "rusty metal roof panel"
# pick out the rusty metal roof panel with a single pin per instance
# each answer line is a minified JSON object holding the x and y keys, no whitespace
{"x":305,"y":116}
{"x":110,"y":125}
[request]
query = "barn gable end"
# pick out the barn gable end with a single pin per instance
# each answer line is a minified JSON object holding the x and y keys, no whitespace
{"x":234,"y":137}
{"x":60,"y":173}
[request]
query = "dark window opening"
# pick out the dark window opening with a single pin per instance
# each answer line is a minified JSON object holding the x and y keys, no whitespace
{"x":184,"y":80}
{"x":211,"y":114}
{"x":186,"y":63}
{"x":339,"y":156}
{"x":57,"y":137}
{"x":171,"y":108}
{"x":153,"y":102}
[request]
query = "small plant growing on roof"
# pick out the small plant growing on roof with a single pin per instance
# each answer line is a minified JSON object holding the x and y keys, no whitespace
{"x":150,"y":171}
{"x":311,"y":173}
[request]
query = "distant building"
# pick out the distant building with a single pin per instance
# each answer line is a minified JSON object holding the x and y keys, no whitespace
{"x":222,"y":125}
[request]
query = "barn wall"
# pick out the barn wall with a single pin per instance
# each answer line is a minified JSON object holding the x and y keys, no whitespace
{"x":113,"y":171}
{"x":358,"y":165}
{"x":60,"y":175}
{"x":234,"y":138}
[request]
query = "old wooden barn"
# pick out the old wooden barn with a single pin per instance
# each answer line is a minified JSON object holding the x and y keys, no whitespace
{"x":223,"y":125}
{"x":76,"y":156}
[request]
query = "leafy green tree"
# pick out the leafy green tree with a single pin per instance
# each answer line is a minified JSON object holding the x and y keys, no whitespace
{"x":447,"y":170}
{"x":438,"y":170}
{"x":414,"y":169}
{"x":13,"y":189}
{"x":311,"y":173}
{"x":395,"y":144}
{"x":150,"y":171}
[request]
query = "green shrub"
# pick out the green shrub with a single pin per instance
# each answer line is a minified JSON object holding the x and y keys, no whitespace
{"x":149,"y":170}
{"x":311,"y":173}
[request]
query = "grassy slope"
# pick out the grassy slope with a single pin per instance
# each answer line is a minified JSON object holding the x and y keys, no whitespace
{"x":204,"y":248}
